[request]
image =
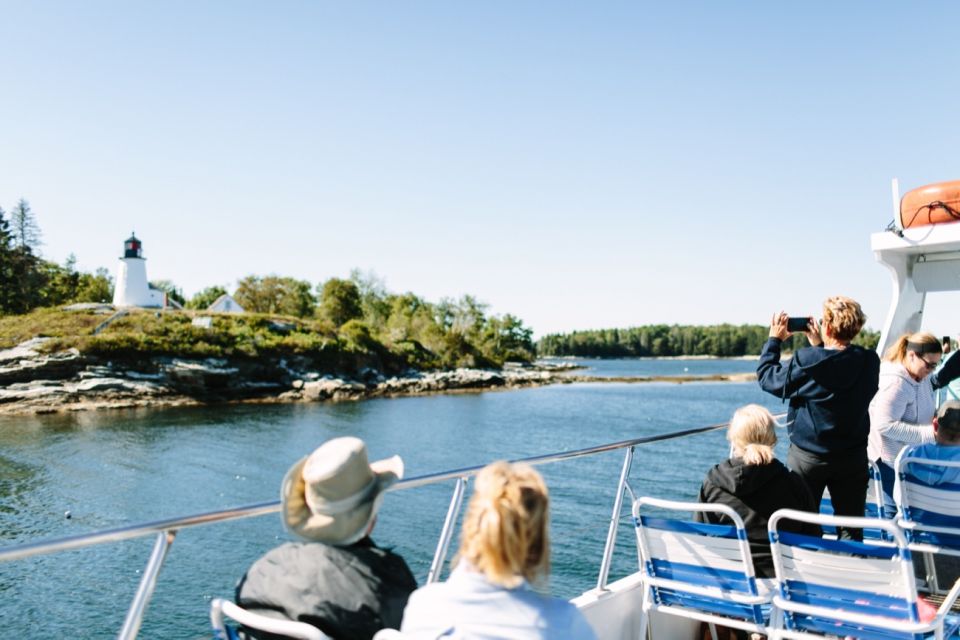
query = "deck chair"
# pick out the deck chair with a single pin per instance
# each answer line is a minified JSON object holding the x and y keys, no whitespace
{"x":927,"y":512}
{"x":872,"y":509}
{"x":842,"y":588}
{"x":695,"y":570}
{"x":289,"y":628}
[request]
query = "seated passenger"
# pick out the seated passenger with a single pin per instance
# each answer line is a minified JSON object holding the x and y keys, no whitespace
{"x":946,"y":446}
{"x":755,"y":484}
{"x":504,"y":547}
{"x":338,"y":580}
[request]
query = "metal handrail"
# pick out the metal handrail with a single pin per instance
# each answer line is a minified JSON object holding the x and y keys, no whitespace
{"x":16,"y":552}
{"x":166,"y":529}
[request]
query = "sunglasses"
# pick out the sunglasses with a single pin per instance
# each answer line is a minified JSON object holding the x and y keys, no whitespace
{"x":927,"y":363}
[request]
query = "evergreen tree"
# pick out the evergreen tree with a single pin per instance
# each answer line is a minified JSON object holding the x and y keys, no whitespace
{"x":26,"y":231}
{"x":6,"y":265}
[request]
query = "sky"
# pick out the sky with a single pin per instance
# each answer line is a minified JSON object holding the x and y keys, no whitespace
{"x":579,"y":165}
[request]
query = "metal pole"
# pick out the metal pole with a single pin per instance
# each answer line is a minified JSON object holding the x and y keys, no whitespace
{"x":614,"y":521}
{"x":446,"y":534}
{"x":131,"y":625}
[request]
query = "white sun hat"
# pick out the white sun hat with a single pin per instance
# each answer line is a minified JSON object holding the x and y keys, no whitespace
{"x":333,"y":494}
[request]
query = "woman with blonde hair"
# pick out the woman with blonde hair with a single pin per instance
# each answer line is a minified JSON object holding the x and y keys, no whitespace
{"x":504,"y":547}
{"x":902,"y":411}
{"x":754,"y":483}
{"x":829,"y":386}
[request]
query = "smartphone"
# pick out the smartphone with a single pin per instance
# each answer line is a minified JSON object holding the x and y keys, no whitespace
{"x":797,"y":324}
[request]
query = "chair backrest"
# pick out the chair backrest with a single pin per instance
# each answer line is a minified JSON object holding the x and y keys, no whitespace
{"x":872,"y":509}
{"x":697,"y":566}
{"x":842,"y":587}
{"x":927,"y":493}
{"x":289,"y":628}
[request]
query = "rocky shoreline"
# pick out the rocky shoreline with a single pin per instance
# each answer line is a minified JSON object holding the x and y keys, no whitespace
{"x":32,"y":382}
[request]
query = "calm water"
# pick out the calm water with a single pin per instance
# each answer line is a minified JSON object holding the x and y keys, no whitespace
{"x":111,"y":469}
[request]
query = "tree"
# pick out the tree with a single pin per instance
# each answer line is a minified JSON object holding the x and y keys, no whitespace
{"x":95,"y":287}
{"x":275,"y":294}
{"x":205,"y":298}
{"x":340,"y":301}
{"x":6,"y":265}
{"x":26,"y":231}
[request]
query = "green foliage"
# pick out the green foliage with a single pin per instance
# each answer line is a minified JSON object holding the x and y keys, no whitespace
{"x":356,"y":337}
{"x":275,"y":294}
{"x":205,"y":298}
{"x":339,"y":301}
{"x":95,"y":287}
{"x":722,"y":340}
{"x":29,"y":281}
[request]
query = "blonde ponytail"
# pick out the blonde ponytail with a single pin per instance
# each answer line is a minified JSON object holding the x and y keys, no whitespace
{"x":505,"y":530}
{"x":752,"y":434}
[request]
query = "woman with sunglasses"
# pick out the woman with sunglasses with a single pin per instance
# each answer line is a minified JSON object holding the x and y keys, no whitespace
{"x":902,"y":411}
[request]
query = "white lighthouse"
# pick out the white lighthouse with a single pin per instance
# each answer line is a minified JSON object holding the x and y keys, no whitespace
{"x":132,"y":288}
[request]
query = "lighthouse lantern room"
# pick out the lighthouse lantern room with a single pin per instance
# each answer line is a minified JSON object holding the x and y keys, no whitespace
{"x":133,"y":289}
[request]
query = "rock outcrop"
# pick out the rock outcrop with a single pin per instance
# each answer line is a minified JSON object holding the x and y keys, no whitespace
{"x":35,"y":382}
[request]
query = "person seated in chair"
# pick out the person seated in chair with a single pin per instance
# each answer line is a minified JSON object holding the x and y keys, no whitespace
{"x":336,"y":578}
{"x":755,"y":484}
{"x":504,"y":546}
{"x":945,"y":447}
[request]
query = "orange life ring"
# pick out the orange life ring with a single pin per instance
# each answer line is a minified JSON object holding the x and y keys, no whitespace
{"x":931,"y":204}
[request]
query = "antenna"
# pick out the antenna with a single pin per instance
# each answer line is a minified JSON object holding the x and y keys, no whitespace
{"x":895,"y":192}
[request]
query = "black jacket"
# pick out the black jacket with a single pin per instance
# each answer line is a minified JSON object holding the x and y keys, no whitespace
{"x":346,"y":592}
{"x":829,"y":392}
{"x":755,"y":492}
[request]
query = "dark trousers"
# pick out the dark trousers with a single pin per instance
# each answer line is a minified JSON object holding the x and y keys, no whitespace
{"x":845,"y":476}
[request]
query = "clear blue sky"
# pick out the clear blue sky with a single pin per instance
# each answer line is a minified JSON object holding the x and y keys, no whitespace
{"x":580,"y":165}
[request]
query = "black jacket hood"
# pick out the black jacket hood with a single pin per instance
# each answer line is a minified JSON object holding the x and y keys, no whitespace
{"x":740,"y":479}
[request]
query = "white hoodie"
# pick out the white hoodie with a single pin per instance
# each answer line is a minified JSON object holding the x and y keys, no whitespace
{"x":900,"y":414}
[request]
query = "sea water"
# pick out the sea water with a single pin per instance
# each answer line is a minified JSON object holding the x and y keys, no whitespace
{"x":111,"y":469}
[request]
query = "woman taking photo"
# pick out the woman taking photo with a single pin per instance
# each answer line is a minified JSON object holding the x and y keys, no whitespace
{"x":829,"y":386}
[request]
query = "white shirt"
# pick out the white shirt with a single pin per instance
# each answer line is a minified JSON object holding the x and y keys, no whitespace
{"x":900,"y":414}
{"x":468,"y":606}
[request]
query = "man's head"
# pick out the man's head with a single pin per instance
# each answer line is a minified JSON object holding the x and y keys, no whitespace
{"x":946,"y":425}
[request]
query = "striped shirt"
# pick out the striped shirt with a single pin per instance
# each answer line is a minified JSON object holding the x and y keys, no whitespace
{"x":900,"y":414}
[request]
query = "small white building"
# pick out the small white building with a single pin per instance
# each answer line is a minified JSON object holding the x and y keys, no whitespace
{"x":133,"y":289}
{"x":225,"y":304}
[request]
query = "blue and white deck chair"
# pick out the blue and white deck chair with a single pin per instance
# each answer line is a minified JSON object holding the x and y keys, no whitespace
{"x":695,"y":570}
{"x":928,"y":512}
{"x":289,"y":628}
{"x":872,"y":509}
{"x":848,"y":589}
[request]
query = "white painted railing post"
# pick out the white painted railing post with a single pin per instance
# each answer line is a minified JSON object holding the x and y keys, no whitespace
{"x":614,"y":521}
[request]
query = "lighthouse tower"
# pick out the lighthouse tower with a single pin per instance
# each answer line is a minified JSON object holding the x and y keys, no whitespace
{"x":132,"y":289}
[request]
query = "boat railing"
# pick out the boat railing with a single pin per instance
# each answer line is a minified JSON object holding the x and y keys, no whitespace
{"x":167,"y":529}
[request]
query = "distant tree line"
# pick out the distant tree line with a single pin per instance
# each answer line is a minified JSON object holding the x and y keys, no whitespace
{"x":723,"y":340}
{"x":27,"y":281}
